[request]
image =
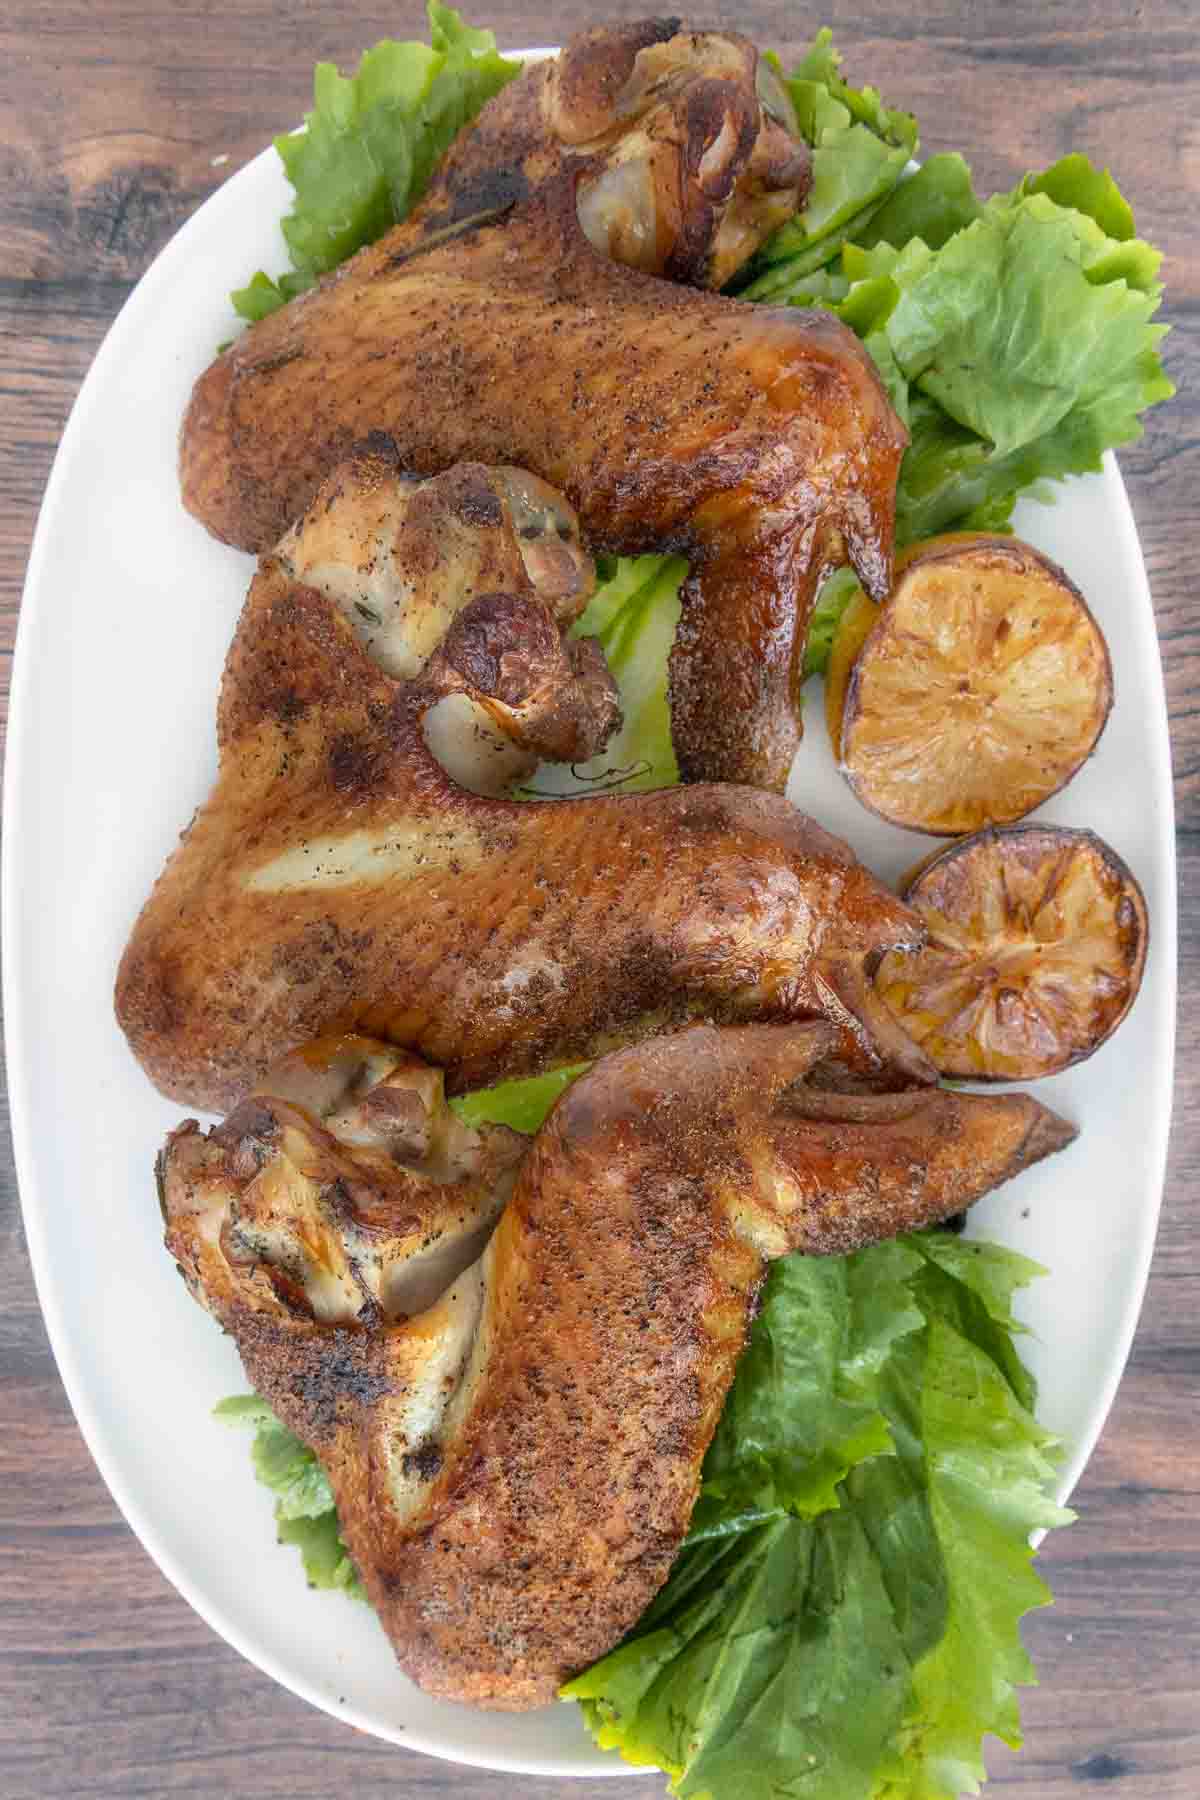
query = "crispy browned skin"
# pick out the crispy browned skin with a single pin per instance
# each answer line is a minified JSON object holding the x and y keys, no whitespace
{"x":337,"y":877}
{"x":515,"y":1467}
{"x":758,"y":441}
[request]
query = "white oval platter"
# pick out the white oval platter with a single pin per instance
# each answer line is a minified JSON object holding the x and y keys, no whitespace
{"x":127,"y":613}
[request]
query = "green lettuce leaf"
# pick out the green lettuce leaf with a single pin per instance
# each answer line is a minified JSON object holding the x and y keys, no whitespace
{"x":1075,"y":183}
{"x":770,"y":1664}
{"x":804,"y":1410}
{"x":936,"y":201}
{"x":370,"y":145}
{"x":326,"y":1560}
{"x":304,"y":1511}
{"x":835,"y":596}
{"x":633,"y":613}
{"x":971,"y":1286}
{"x":950,"y":480}
{"x":988,"y":1470}
{"x":851,"y":1634}
{"x":1015,"y":339}
{"x":860,"y":149}
{"x":521,"y":1105}
{"x":1005,"y":330}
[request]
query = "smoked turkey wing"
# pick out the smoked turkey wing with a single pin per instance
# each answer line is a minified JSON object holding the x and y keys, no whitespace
{"x":515,"y":1466}
{"x":338,"y":877}
{"x":758,"y":441}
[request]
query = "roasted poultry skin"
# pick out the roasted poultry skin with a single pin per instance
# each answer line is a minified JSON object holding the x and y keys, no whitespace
{"x":515,"y":1465}
{"x":338,"y":877}
{"x":757,"y":441}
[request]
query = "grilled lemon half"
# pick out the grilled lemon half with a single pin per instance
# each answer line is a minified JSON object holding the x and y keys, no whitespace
{"x":1037,"y":942}
{"x":973,"y":693}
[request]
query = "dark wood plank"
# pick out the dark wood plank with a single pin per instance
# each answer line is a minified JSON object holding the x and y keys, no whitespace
{"x":111,"y":118}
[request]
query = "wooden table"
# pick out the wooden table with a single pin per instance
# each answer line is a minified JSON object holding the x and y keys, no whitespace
{"x":116,"y":119}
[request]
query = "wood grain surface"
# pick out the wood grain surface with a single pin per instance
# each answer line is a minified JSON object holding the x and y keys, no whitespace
{"x":116,"y":120}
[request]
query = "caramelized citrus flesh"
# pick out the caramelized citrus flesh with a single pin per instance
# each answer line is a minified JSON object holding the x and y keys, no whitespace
{"x":1037,"y":940}
{"x":978,"y":691}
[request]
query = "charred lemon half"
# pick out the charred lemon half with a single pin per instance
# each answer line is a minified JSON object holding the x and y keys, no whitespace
{"x":1037,"y":941}
{"x":974,"y":693}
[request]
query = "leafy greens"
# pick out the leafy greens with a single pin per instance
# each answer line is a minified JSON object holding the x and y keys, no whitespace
{"x":1016,"y":337}
{"x":304,"y":1509}
{"x":633,"y":614}
{"x":370,"y":145}
{"x":842,"y":1622}
{"x":860,"y":149}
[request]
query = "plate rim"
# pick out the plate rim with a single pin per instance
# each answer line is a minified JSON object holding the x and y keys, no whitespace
{"x":31,"y":624}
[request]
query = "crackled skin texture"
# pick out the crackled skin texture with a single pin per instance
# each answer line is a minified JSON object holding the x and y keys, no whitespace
{"x":337,"y":878}
{"x":758,"y":441}
{"x":515,"y":1467}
